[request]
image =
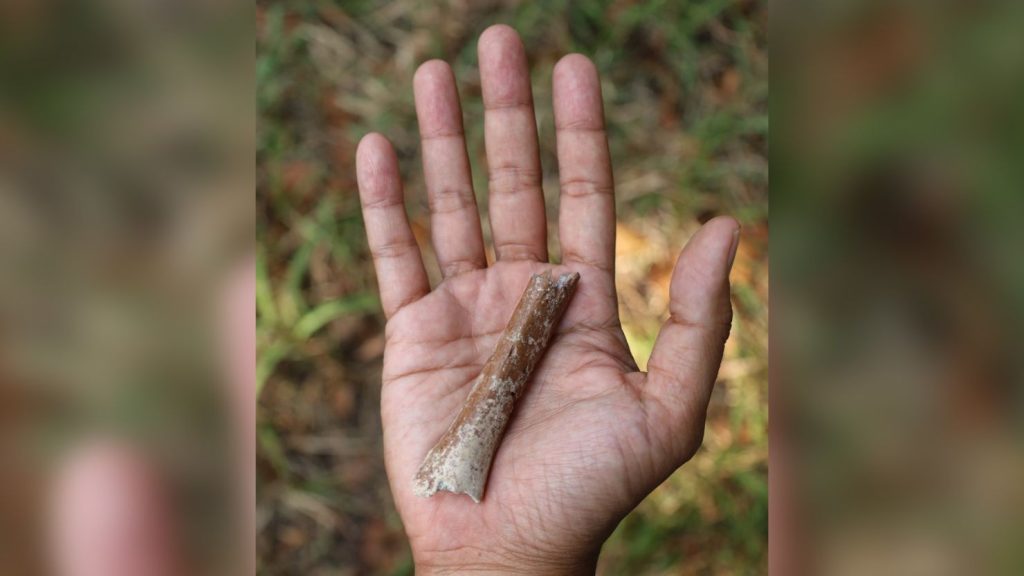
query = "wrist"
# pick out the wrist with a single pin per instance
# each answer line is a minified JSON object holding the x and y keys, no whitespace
{"x":492,"y":563}
{"x":493,"y":570}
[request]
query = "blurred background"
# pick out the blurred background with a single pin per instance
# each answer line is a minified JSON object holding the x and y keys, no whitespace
{"x":126,"y":209}
{"x":686,"y":92}
{"x":898,"y":379}
{"x":126,"y":178}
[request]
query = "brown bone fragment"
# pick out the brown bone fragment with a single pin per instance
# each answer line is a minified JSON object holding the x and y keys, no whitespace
{"x":461,"y":459}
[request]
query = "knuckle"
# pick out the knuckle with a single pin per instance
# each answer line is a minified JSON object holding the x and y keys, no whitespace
{"x":584,"y":187}
{"x":393,"y":248}
{"x":513,"y":180}
{"x":383,"y":201}
{"x":448,"y":200}
{"x":460,"y":266}
{"x":517,"y":251}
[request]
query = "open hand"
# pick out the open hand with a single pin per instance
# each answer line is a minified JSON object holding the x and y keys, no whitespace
{"x":592,"y":436}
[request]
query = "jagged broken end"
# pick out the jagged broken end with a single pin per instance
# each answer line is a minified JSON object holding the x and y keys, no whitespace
{"x":427,"y":483}
{"x":425,"y":489}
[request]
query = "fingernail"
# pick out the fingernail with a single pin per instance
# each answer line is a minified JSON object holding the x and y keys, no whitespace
{"x":735,"y":244}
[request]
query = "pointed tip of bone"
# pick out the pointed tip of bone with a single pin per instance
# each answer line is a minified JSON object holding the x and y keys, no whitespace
{"x":568,"y":279}
{"x":563,"y":280}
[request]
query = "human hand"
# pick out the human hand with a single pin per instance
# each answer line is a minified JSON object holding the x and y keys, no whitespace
{"x":592,"y":435}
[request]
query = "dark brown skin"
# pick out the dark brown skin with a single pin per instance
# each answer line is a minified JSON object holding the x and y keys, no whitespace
{"x":593,"y":436}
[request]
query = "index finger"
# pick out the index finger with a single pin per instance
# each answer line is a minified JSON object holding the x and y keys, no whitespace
{"x":396,"y":255}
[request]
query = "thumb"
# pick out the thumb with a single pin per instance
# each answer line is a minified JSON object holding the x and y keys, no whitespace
{"x":688,"y":352}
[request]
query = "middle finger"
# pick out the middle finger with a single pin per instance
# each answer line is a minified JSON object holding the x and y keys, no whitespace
{"x":516,"y":199}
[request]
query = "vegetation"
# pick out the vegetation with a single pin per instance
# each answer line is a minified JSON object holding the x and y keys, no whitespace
{"x":686,"y":90}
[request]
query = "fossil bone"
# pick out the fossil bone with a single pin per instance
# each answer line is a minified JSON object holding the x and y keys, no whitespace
{"x":461,"y":460}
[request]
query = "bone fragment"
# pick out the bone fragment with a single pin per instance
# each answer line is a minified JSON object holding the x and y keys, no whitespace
{"x":461,"y":460}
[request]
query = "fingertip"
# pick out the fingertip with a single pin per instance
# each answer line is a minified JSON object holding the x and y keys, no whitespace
{"x":498,"y":36}
{"x":728,"y":228}
{"x":504,"y":74}
{"x":377,"y":171}
{"x":375,"y":158}
{"x":574,"y":68}
{"x":437,"y":101}
{"x":431,"y":74}
{"x":371,"y":145}
{"x":716,"y":239}
{"x":577,"y":94}
{"x":726,"y":224}
{"x":700,"y":281}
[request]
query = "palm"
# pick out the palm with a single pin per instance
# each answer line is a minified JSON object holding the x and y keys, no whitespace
{"x":591,"y":435}
{"x":579,"y":428}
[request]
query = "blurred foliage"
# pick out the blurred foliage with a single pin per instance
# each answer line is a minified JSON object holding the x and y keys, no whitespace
{"x":686,"y":91}
{"x":899,"y":178}
{"x":125,"y":201}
